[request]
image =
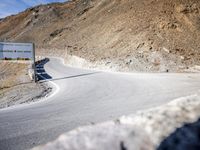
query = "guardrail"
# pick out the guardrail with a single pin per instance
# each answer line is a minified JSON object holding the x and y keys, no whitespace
{"x":31,"y":73}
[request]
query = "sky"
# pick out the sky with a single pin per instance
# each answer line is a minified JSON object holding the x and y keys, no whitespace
{"x":9,"y":7}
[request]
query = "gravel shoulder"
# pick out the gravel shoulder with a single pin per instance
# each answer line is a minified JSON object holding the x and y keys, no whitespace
{"x":24,"y":93}
{"x":16,"y":86}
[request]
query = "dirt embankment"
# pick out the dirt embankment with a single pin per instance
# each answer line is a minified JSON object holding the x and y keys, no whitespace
{"x":139,"y":35}
{"x":16,"y":86}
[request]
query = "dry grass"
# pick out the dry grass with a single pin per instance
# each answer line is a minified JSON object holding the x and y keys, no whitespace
{"x":12,"y":74}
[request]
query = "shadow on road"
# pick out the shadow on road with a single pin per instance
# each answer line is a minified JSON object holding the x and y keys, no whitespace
{"x":44,"y":77}
{"x":68,"y":77}
{"x":74,"y":76}
{"x":40,"y":71}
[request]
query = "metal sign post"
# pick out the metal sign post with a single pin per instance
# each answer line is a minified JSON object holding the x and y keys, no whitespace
{"x":34,"y":66}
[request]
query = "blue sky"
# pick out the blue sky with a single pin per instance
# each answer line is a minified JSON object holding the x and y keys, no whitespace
{"x":8,"y":7}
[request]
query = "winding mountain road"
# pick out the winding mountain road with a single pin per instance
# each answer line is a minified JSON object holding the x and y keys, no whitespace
{"x":82,"y":97}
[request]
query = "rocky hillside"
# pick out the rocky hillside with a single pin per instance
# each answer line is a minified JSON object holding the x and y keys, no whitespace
{"x":133,"y":35}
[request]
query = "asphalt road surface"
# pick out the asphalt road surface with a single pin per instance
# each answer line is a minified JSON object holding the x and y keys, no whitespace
{"x":82,"y":97}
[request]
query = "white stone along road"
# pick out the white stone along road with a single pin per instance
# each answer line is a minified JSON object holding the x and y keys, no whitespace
{"x":81,"y":97}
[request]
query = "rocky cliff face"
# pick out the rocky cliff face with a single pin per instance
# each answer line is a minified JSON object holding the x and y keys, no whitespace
{"x":134,"y":35}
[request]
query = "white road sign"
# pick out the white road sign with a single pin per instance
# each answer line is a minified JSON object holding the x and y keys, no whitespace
{"x":16,"y":51}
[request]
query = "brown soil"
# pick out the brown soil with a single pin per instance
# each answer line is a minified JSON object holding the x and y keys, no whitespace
{"x":141,"y":35}
{"x":12,"y":74}
{"x":16,"y":86}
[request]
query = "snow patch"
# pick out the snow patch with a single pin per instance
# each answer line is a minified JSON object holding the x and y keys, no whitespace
{"x":143,"y":130}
